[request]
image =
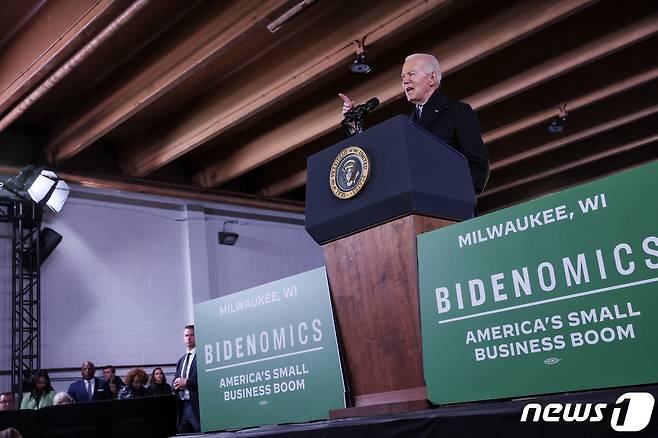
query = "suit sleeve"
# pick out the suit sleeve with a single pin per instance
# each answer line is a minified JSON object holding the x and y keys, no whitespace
{"x":192,"y":379}
{"x":72,"y":392}
{"x":178,"y":370}
{"x":469,"y":137}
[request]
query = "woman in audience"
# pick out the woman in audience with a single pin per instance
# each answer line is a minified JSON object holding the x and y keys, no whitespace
{"x":114,"y":390}
{"x":42,"y":392}
{"x":63,"y":398}
{"x":158,"y":383}
{"x":135,"y":385}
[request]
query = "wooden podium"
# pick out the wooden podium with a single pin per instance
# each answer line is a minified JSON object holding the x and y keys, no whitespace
{"x":417,"y":184}
{"x":374,"y":283}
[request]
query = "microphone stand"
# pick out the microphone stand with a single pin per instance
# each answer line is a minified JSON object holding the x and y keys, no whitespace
{"x":352,"y":123}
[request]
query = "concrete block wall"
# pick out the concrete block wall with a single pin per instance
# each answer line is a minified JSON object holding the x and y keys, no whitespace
{"x":265,"y":251}
{"x":122,"y":284}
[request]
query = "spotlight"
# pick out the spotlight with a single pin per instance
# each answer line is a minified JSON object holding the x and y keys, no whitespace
{"x":227,"y":237}
{"x":39,"y":185}
{"x":558,"y":122}
{"x":48,"y":241}
{"x":557,"y":125}
{"x":360,"y":65}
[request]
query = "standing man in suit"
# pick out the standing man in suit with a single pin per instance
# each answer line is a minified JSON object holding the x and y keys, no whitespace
{"x":89,"y":388}
{"x":453,"y":122}
{"x":185,"y":385}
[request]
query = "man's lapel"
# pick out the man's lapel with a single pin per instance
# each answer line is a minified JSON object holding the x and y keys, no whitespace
{"x":412,"y":116}
{"x":435,"y":105}
{"x":96,"y":388}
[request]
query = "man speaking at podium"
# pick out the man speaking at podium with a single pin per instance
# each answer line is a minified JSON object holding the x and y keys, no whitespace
{"x":453,"y":122}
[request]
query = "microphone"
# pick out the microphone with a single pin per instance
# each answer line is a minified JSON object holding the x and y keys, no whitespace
{"x":359,"y":111}
{"x":371,"y":104}
{"x":353,"y":119}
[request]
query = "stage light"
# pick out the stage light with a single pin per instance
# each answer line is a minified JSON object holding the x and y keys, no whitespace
{"x":227,"y":237}
{"x":557,"y":125}
{"x":39,"y":185}
{"x":360,"y":65}
{"x":48,"y":241}
{"x":558,"y":122}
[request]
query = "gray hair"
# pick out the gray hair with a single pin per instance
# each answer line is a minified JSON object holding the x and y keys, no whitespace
{"x":62,"y":397}
{"x":429,"y":64}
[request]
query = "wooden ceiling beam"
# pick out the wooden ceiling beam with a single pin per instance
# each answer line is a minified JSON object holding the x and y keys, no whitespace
{"x":571,"y":60}
{"x":285,"y":185}
{"x":298,"y":179}
{"x":189,"y":56}
{"x":91,"y":21}
{"x":570,"y":139}
{"x":571,"y":165}
{"x":557,"y":185}
{"x":480,"y":41}
{"x":132,"y":185}
{"x":571,"y":105}
{"x":249,"y":96}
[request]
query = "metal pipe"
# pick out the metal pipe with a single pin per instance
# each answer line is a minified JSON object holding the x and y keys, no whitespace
{"x":14,"y":306}
{"x":286,"y":16}
{"x":73,"y":62}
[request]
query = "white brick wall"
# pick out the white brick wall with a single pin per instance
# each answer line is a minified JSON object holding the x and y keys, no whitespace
{"x":264,"y":252}
{"x":121,"y":285}
{"x":114,"y":290}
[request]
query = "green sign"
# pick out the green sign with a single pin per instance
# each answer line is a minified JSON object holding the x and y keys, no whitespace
{"x":268,"y":355}
{"x":553,"y":295}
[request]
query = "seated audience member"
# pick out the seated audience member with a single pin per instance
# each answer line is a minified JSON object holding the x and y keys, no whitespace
{"x":63,"y":398}
{"x":110,"y":376}
{"x":89,"y":388}
{"x":114,"y":390}
{"x":42,"y":393}
{"x":136,"y":380}
{"x":7,"y":401}
{"x":158,"y":384}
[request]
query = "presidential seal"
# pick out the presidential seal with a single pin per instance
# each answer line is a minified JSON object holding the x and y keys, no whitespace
{"x":349,"y":172}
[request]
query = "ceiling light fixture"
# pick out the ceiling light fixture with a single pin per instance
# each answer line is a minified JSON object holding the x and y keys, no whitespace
{"x":227,"y":237}
{"x":558,"y":122}
{"x":360,"y":65}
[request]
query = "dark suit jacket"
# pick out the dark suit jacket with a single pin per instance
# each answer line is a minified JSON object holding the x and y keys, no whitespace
{"x":456,"y":124}
{"x":78,"y":391}
{"x":191,"y":383}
